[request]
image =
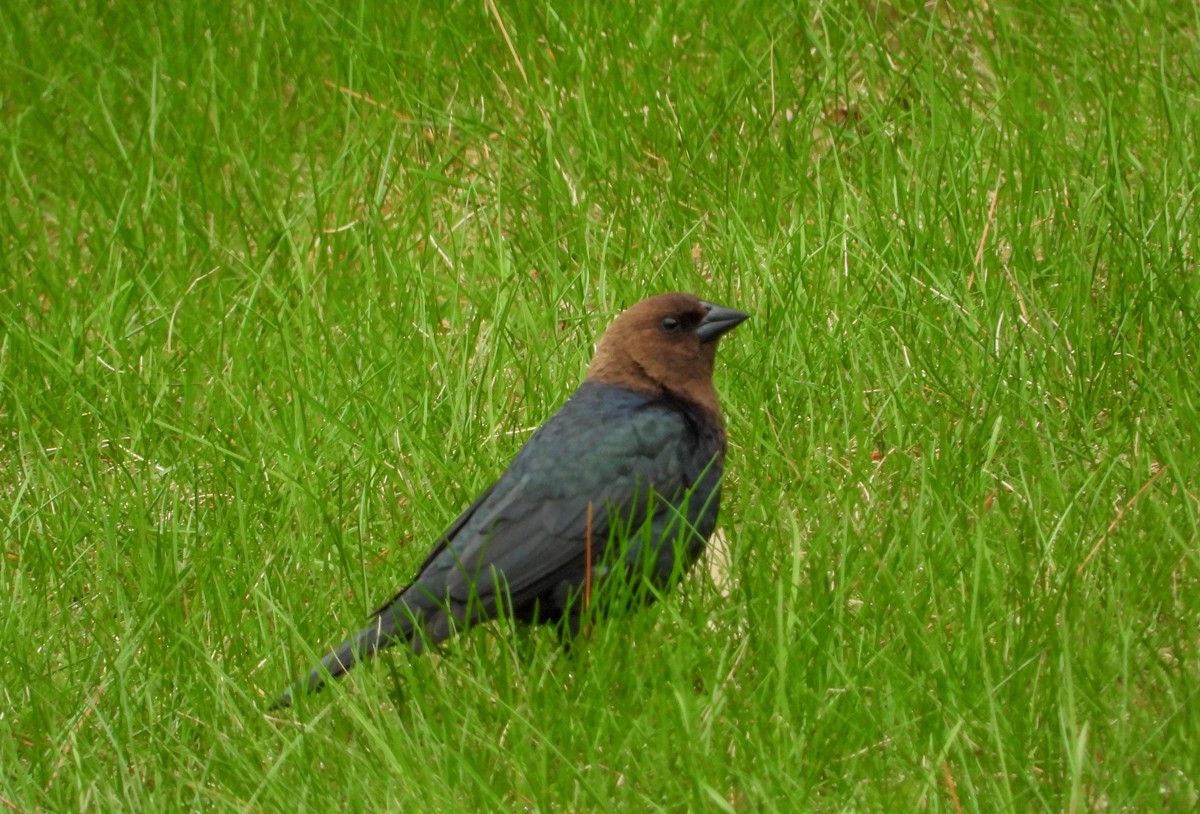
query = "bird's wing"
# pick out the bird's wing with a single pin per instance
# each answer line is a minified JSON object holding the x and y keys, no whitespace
{"x":532,"y":524}
{"x":535,"y":524}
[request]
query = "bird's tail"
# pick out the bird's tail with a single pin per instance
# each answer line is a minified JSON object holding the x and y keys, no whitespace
{"x":392,"y":625}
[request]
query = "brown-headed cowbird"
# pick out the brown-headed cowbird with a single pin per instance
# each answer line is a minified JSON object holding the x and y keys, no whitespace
{"x":620,"y":487}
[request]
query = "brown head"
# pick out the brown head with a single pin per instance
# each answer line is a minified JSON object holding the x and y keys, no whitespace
{"x":666,"y":344}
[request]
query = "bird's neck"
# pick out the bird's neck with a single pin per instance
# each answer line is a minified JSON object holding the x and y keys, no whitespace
{"x":630,"y":375}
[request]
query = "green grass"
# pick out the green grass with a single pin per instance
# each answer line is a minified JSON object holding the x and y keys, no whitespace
{"x":281,"y":289}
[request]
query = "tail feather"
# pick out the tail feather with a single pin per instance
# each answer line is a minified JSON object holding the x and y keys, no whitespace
{"x":393,"y":625}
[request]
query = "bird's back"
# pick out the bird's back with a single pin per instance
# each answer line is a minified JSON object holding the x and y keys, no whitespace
{"x":645,"y":463}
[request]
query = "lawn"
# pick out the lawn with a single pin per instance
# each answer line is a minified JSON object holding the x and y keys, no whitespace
{"x":284,"y":287}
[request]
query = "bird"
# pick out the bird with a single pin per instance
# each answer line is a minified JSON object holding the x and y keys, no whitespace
{"x":607,"y":504}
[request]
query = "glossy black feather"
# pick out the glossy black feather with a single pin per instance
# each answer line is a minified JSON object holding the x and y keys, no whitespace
{"x":522,"y":543}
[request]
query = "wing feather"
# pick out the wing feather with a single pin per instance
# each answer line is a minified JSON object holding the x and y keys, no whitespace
{"x":534,"y":526}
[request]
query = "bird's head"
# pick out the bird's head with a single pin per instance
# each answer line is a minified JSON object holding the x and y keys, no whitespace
{"x":666,"y":343}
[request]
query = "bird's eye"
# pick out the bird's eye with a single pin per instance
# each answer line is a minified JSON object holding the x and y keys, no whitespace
{"x":670,"y":324}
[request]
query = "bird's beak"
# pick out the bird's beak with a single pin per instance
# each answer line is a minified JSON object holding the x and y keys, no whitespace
{"x":718,"y":320}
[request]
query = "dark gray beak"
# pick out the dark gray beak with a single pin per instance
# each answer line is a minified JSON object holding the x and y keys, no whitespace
{"x":718,"y":321}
